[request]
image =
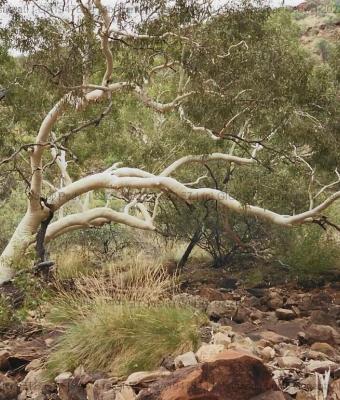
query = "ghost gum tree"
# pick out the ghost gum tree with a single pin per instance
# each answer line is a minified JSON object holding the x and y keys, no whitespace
{"x":171,"y":58}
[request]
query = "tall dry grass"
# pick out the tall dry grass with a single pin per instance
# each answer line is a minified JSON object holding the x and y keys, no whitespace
{"x":121,"y":319}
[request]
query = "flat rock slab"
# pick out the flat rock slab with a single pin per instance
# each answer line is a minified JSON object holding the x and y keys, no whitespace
{"x":231,"y":376}
{"x":289,"y":329}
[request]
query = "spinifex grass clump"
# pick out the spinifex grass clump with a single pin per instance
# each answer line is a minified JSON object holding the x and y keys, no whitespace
{"x":122,"y":321}
{"x":122,"y":338}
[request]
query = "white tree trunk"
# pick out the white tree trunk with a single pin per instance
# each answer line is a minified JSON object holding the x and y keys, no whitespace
{"x":23,"y":236}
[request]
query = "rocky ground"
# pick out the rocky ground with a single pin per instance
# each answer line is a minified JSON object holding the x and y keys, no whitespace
{"x":261,"y":343}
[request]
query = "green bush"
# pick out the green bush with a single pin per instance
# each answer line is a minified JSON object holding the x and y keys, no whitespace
{"x":297,"y":15}
{"x":332,"y":19}
{"x":324,"y":48}
{"x":123,"y":338}
{"x":308,"y":251}
{"x":7,"y":317}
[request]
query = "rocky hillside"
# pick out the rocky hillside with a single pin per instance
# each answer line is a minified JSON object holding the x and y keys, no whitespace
{"x":319,"y":21}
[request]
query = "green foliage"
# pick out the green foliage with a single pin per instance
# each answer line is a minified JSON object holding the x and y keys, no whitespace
{"x":13,"y":204}
{"x":309,"y":252}
{"x":332,"y":20}
{"x":299,"y":15}
{"x":36,"y":293}
{"x":7,"y":317}
{"x":254,"y":277}
{"x":124,"y":338}
{"x":324,"y":48}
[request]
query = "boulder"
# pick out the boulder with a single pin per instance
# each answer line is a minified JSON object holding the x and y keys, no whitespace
{"x":125,"y":393}
{"x":101,"y":389}
{"x":34,"y":365}
{"x":274,"y":301}
{"x":221,"y":338}
{"x":206,"y":333}
{"x":309,"y":382}
{"x":208,"y":352}
{"x":242,"y":315}
{"x":222,"y":309}
{"x":231,"y":376}
{"x":84,"y":377}
{"x":321,"y":333}
{"x":289,"y":362}
{"x":62,"y":377}
{"x":4,"y":363}
{"x":320,"y":366}
{"x":211,"y":294}
{"x":9,"y":389}
{"x":267,"y":353}
{"x":291,"y":390}
{"x":244,"y":344}
{"x":334,"y":390}
{"x":287,"y":349}
{"x":284,"y":314}
{"x":270,"y":395}
{"x":145,"y":377}
{"x":315,"y":355}
{"x":256,"y":315}
{"x":303,"y":395}
{"x":273,"y":337}
{"x":104,"y":390}
{"x":257,"y":292}
{"x":185,"y":360}
{"x":69,"y":387}
{"x":168,"y":363}
{"x":321,"y":317}
{"x":324,"y":348}
{"x":35,"y":386}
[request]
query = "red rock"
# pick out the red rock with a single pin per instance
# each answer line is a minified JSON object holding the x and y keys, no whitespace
{"x":271,"y":395}
{"x":230,"y":376}
{"x":321,"y":317}
{"x":285,"y":314}
{"x":9,"y":389}
{"x":334,"y":390}
{"x":322,"y":333}
{"x":69,"y":388}
{"x":4,"y":363}
{"x":211,"y":294}
{"x":273,"y":337}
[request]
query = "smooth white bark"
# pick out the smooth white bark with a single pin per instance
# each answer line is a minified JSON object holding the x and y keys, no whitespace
{"x":94,"y":218}
{"x":20,"y":240}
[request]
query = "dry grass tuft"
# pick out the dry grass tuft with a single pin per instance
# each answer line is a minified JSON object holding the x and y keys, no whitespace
{"x":73,"y":263}
{"x":121,"y":320}
{"x":123,"y":338}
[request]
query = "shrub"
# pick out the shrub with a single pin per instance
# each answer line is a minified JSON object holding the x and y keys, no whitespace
{"x":7,"y":317}
{"x":122,"y":338}
{"x":332,"y":19}
{"x":297,"y":15}
{"x":324,"y":48}
{"x":254,"y":277}
{"x":310,"y":252}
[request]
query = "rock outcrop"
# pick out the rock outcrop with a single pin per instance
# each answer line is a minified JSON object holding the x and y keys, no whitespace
{"x":231,"y":376}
